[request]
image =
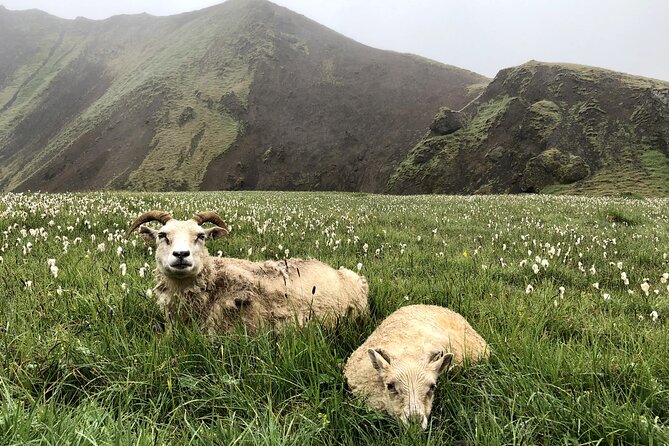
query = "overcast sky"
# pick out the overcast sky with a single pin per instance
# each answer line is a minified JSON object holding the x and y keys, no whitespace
{"x":479,"y":35}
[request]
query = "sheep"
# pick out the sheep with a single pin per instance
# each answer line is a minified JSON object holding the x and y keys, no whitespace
{"x":217,"y":292}
{"x":397,"y":367}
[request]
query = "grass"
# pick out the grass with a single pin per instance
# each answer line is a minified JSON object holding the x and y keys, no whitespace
{"x":84,"y":357}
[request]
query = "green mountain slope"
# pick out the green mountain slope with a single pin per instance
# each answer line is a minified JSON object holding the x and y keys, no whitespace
{"x":244,"y":94}
{"x":552,"y":128}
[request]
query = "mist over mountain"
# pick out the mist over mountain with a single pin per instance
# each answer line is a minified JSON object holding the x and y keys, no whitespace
{"x":242,"y":95}
{"x":249,"y":95}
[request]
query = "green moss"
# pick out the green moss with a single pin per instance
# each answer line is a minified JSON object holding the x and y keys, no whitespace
{"x":436,"y":152}
{"x":596,"y":74}
{"x":544,"y":117}
{"x":656,"y":164}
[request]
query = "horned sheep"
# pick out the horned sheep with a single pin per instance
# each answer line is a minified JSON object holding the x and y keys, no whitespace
{"x":218,"y":292}
{"x":397,"y":367}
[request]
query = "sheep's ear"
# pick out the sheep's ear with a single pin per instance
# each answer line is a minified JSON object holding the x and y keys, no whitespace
{"x":216,"y":232}
{"x":380,"y":359}
{"x":149,"y":235}
{"x":440,"y":361}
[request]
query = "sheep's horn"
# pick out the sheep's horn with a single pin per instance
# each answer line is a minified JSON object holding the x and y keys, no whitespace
{"x":211,"y":217}
{"x":156,"y":215}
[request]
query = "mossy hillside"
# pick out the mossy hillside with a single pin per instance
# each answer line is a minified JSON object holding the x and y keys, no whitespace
{"x":182,"y":150}
{"x":185,"y":70}
{"x":605,"y":124}
{"x":194,"y":67}
{"x":431,"y":154}
{"x":29,"y":82}
{"x":545,"y":117}
{"x":588,"y":74}
{"x":176,"y":161}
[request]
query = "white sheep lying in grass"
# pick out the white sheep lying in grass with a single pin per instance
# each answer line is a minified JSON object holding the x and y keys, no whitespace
{"x":218,"y":293}
{"x":397,"y":367}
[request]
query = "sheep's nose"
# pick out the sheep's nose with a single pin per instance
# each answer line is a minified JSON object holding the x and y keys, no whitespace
{"x":180,"y":254}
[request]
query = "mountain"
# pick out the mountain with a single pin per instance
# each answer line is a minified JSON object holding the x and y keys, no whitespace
{"x":543,"y":127}
{"x":242,"y":95}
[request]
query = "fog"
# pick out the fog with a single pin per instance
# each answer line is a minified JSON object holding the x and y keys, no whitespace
{"x":479,"y":35}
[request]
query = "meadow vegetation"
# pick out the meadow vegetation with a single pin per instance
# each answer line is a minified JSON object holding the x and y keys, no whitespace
{"x":572,"y":294}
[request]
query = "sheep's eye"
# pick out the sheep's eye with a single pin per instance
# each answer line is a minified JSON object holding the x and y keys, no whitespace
{"x":200,"y":237}
{"x":391,"y":387}
{"x":432,"y":387}
{"x":163,"y":236}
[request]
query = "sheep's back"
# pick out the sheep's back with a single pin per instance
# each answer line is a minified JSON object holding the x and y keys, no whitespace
{"x":293,"y":290}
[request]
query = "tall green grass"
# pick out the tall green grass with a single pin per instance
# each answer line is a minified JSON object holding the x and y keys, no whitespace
{"x":85,"y":358}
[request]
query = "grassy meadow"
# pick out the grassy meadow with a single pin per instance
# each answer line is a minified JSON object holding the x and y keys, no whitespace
{"x":572,"y":294}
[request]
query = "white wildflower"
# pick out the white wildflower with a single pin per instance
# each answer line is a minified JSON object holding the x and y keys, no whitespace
{"x":529,"y":289}
{"x":595,"y":285}
{"x":645,"y":287}
{"x":59,"y":291}
{"x":359,"y":266}
{"x":593,"y":271}
{"x":123,"y":269}
{"x":149,"y":292}
{"x":664,"y":278}
{"x":119,"y":251}
{"x":544,"y":263}
{"x":142,"y":272}
{"x":250,"y":251}
{"x":562,"y":290}
{"x":654,"y":315}
{"x":619,"y":265}
{"x":535,"y":268}
{"x":607,"y":296}
{"x":101,"y":247}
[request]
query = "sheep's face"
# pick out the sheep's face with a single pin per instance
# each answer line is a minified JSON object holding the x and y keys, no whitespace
{"x":180,"y":249}
{"x":409,"y":387}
